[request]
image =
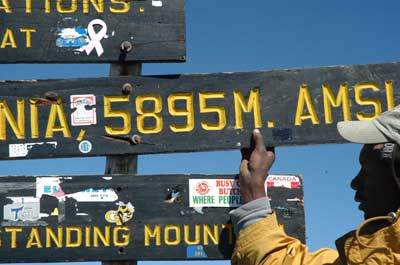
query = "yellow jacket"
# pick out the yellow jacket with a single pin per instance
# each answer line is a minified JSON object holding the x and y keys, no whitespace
{"x":266,"y":243}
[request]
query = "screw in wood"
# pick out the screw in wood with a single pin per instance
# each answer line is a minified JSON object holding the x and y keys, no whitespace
{"x":136,"y":139}
{"x":51,"y":95}
{"x":126,"y":46}
{"x":127,"y":89}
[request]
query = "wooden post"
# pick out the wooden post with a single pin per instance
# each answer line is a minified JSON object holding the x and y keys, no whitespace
{"x":122,"y":164}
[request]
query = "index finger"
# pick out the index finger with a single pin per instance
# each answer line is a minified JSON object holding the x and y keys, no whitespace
{"x":258,"y":140}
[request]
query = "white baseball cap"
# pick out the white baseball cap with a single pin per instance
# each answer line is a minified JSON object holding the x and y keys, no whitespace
{"x":384,"y":128}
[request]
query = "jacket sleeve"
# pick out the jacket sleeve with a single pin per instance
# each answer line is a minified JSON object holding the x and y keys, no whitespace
{"x":264,"y":242}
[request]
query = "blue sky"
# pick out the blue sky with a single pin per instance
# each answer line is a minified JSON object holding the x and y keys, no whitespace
{"x":228,"y":36}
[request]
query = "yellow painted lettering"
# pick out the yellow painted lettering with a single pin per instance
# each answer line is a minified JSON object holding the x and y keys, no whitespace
{"x":152,"y":233}
{"x":5,"y":6}
{"x":28,"y":36}
{"x":51,"y":236}
{"x":342,"y":98}
{"x":87,"y":236}
{"x":219,"y":110}
{"x":123,"y":114}
{"x":104,"y":237}
{"x":34,"y":239}
{"x":57,"y":110}
{"x":389,"y":95}
{"x":208,"y":234}
{"x":358,"y":89}
{"x":124,"y":6}
{"x":34,"y":118}
{"x":8,"y":39}
{"x":187,"y":112}
{"x":61,"y":8}
{"x":305,"y":100}
{"x":69,"y":239}
{"x":176,"y":234}
{"x":7,"y":116}
{"x":13,"y":231}
{"x":28,"y":6}
{"x":252,"y":104}
{"x":149,"y":114}
{"x":196,"y":240}
{"x":97,"y":4}
{"x":47,"y":6}
{"x":121,"y":236}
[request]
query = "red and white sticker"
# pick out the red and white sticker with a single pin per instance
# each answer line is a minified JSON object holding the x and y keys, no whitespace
{"x":214,"y":193}
{"x":83,"y":116}
{"x":202,"y":188}
{"x":286,"y":181}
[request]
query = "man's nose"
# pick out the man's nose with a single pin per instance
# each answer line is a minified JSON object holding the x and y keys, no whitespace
{"x":355,"y":183}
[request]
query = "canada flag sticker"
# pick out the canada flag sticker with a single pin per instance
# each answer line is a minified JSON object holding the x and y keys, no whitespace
{"x":290,"y":182}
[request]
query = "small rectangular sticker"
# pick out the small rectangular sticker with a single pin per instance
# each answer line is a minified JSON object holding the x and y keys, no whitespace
{"x":196,"y":252}
{"x":285,"y":181}
{"x":156,"y":3}
{"x":22,"y":209}
{"x":214,"y":193}
{"x":85,"y":112}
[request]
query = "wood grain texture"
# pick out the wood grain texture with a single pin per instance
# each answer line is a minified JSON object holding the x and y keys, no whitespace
{"x":157,"y":33}
{"x":122,"y":164}
{"x":279,"y":98}
{"x":150,"y":196}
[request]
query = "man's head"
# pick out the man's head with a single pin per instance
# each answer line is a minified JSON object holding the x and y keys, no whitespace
{"x":377,"y":184}
{"x":376,"y":187}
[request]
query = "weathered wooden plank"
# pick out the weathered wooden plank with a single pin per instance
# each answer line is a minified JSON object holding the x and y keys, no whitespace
{"x":83,"y":31}
{"x":81,"y":218}
{"x":177,"y":113}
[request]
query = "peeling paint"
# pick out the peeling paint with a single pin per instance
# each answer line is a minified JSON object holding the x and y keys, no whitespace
{"x":198,"y":210}
{"x":23,"y":150}
{"x":52,"y":186}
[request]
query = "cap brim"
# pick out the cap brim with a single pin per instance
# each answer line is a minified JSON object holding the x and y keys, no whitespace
{"x":363,"y":132}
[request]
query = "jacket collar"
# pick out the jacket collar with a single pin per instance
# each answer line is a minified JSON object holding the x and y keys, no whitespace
{"x":381,"y":247}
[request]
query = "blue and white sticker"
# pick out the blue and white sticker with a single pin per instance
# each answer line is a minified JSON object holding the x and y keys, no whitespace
{"x":196,"y":252}
{"x":83,"y":39}
{"x":72,"y":37}
{"x":85,"y":147}
{"x":22,"y":209}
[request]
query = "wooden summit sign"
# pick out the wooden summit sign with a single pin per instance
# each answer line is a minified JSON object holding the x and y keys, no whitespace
{"x":91,"y":31}
{"x":177,"y":113}
{"x":163,"y":217}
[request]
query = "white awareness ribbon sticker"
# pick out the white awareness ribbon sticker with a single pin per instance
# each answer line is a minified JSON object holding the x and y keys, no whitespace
{"x":95,"y":38}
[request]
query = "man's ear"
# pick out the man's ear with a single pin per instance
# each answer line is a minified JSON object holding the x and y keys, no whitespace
{"x":377,"y":146}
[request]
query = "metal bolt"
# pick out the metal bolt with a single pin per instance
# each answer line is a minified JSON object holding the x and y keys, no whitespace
{"x":136,"y":139}
{"x":51,"y":95}
{"x":126,"y":46}
{"x":127,"y":89}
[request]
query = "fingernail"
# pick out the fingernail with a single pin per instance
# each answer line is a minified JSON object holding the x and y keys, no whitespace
{"x":257,"y":131}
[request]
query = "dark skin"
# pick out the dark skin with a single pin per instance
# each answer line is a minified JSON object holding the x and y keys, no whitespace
{"x":375,"y":186}
{"x":376,"y":189}
{"x":254,"y":168}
